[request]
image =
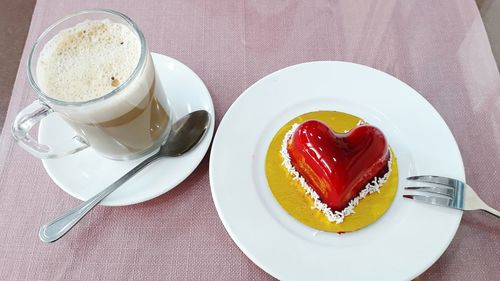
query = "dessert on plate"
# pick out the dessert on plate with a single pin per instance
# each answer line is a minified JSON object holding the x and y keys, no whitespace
{"x":332,"y":171}
{"x":336,"y":170}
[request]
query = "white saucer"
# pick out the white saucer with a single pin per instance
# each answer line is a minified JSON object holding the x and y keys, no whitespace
{"x":86,"y":173}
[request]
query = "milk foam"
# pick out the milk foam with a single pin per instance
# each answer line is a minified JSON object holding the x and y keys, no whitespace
{"x":88,"y":60}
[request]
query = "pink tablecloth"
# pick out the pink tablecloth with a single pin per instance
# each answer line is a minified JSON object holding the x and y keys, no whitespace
{"x":440,"y":48}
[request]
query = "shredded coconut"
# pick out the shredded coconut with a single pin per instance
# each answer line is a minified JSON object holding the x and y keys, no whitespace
{"x":337,"y":216}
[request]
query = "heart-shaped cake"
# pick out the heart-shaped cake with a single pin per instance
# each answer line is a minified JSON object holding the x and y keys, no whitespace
{"x":337,"y":169}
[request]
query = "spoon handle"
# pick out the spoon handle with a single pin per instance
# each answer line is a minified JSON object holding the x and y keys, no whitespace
{"x":59,"y":226}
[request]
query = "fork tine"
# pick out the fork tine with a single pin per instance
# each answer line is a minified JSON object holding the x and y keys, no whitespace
{"x":433,"y":200}
{"x":437,"y":179}
{"x":444,"y":190}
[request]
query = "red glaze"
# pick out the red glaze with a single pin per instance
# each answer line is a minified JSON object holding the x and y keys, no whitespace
{"x":338,"y":166}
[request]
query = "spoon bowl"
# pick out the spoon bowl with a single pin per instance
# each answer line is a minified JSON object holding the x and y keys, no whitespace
{"x":186,"y":133}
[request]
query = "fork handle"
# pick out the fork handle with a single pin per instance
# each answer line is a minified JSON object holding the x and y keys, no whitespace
{"x":491,"y":210}
{"x":474,"y":202}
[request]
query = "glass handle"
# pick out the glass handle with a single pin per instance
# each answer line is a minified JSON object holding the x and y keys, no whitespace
{"x":30,"y":116}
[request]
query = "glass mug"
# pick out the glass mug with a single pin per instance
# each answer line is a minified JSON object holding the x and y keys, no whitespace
{"x":127,"y":122}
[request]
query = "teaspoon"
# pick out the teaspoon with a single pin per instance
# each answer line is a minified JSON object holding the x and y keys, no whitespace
{"x":185,"y":134}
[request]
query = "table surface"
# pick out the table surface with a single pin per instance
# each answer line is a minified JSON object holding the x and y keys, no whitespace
{"x":439,"y":48}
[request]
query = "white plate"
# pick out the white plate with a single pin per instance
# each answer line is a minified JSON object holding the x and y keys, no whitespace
{"x":85,"y":173}
{"x":406,"y":241}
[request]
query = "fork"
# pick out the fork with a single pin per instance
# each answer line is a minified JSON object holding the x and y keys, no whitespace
{"x":448,"y":192}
